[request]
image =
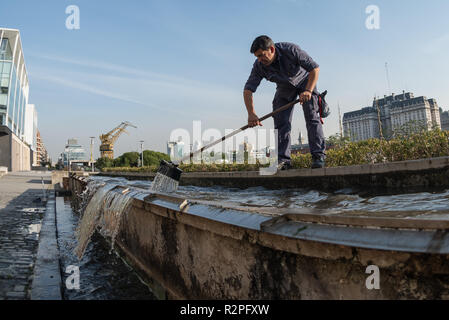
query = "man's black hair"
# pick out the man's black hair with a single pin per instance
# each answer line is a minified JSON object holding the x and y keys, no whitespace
{"x":261,"y":42}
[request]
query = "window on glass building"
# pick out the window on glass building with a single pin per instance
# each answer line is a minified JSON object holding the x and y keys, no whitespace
{"x":5,"y":50}
{"x":3,"y":46}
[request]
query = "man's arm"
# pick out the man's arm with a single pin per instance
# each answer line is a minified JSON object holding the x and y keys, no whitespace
{"x":311,"y":83}
{"x":313,"y":79}
{"x":251,"y":86}
{"x":311,"y":67}
{"x":303,"y":58}
{"x":253,"y":119}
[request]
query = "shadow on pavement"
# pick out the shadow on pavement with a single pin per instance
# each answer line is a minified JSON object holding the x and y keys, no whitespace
{"x":39,"y":181}
{"x":20,"y":223}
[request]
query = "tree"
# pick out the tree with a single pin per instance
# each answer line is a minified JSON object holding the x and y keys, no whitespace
{"x":409,"y":128}
{"x":131,"y":159}
{"x":128,"y":159}
{"x":104,"y":163}
{"x":337,"y":141}
{"x":153,"y":158}
{"x":45,"y":163}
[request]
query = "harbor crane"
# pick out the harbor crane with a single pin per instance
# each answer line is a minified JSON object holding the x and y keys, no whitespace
{"x":108,"y":139}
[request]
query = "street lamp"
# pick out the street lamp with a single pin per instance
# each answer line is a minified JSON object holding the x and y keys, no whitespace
{"x":68,"y":160}
{"x":91,"y":152}
{"x":141,"y":150}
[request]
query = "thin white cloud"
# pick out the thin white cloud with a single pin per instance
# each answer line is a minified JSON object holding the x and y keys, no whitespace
{"x":81,"y":86}
{"x":121,"y":69}
{"x":437,"y":45}
{"x":217,"y":105}
{"x":91,"y":89}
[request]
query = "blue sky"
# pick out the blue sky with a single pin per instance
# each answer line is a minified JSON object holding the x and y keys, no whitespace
{"x":163,"y":64}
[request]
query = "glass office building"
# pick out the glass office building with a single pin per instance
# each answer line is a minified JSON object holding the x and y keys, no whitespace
{"x":14,"y":82}
{"x":17,"y":126}
{"x":74,"y":152}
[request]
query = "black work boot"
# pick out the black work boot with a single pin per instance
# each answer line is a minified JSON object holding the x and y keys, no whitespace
{"x":318,"y":161}
{"x":284,"y":165}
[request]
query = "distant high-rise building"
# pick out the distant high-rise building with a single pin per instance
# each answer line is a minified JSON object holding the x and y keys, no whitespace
{"x":74,"y":153}
{"x":444,"y":119}
{"x":31,"y":132}
{"x":17,"y":127}
{"x":391,"y":113}
{"x":41,"y":152}
{"x":175,"y":149}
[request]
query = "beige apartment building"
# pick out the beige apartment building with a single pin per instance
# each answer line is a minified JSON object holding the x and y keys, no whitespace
{"x":391,"y":113}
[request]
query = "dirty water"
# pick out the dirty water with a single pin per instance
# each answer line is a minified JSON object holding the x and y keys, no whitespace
{"x":431,"y":205}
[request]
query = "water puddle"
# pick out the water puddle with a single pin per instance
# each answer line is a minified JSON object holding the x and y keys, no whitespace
{"x":34,"y":228}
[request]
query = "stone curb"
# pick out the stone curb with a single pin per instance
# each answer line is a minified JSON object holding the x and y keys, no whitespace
{"x":47,"y":276}
{"x":422,"y":173}
{"x":389,"y":167}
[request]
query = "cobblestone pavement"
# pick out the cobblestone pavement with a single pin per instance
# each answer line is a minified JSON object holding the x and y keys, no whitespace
{"x":21,"y":213}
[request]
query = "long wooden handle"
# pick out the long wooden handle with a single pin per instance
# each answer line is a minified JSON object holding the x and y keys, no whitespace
{"x":285,"y":107}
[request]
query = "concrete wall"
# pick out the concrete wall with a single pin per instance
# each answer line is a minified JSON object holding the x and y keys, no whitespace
{"x":20,"y":155}
{"x":219,"y":261}
{"x":14,"y":153}
{"x":5,"y":147}
{"x":204,"y":252}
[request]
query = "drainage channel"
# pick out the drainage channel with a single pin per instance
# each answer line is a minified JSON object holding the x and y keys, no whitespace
{"x":101,"y":274}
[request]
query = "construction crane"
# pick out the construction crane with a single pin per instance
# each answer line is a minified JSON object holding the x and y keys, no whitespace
{"x":108,"y":139}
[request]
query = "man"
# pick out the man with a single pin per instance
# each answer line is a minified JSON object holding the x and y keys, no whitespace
{"x":294,"y":72}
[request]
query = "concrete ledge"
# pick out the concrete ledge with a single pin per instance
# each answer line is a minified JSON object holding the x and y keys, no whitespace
{"x":130,"y":175}
{"x":423,"y":173}
{"x":206,"y":251}
{"x":47,"y":277}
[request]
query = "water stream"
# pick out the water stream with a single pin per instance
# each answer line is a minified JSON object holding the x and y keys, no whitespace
{"x":163,"y":183}
{"x":103,"y":274}
{"x":104,"y":206}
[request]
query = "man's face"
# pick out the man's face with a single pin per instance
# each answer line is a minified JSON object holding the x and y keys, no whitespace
{"x":266,"y":57}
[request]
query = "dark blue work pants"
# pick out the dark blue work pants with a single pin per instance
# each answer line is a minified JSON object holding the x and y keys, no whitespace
{"x":283,"y":123}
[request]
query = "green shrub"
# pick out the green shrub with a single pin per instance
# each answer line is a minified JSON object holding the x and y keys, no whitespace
{"x":412,"y":146}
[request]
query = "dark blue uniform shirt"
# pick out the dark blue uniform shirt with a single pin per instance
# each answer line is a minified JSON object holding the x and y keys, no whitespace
{"x":290,"y":68}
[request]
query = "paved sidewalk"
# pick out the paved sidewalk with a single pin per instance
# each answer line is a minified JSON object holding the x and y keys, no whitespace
{"x":21,"y":212}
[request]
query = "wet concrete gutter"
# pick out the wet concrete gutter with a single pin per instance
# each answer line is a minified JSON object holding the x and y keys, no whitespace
{"x":423,"y":173}
{"x":47,"y":277}
{"x":210,"y":250}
